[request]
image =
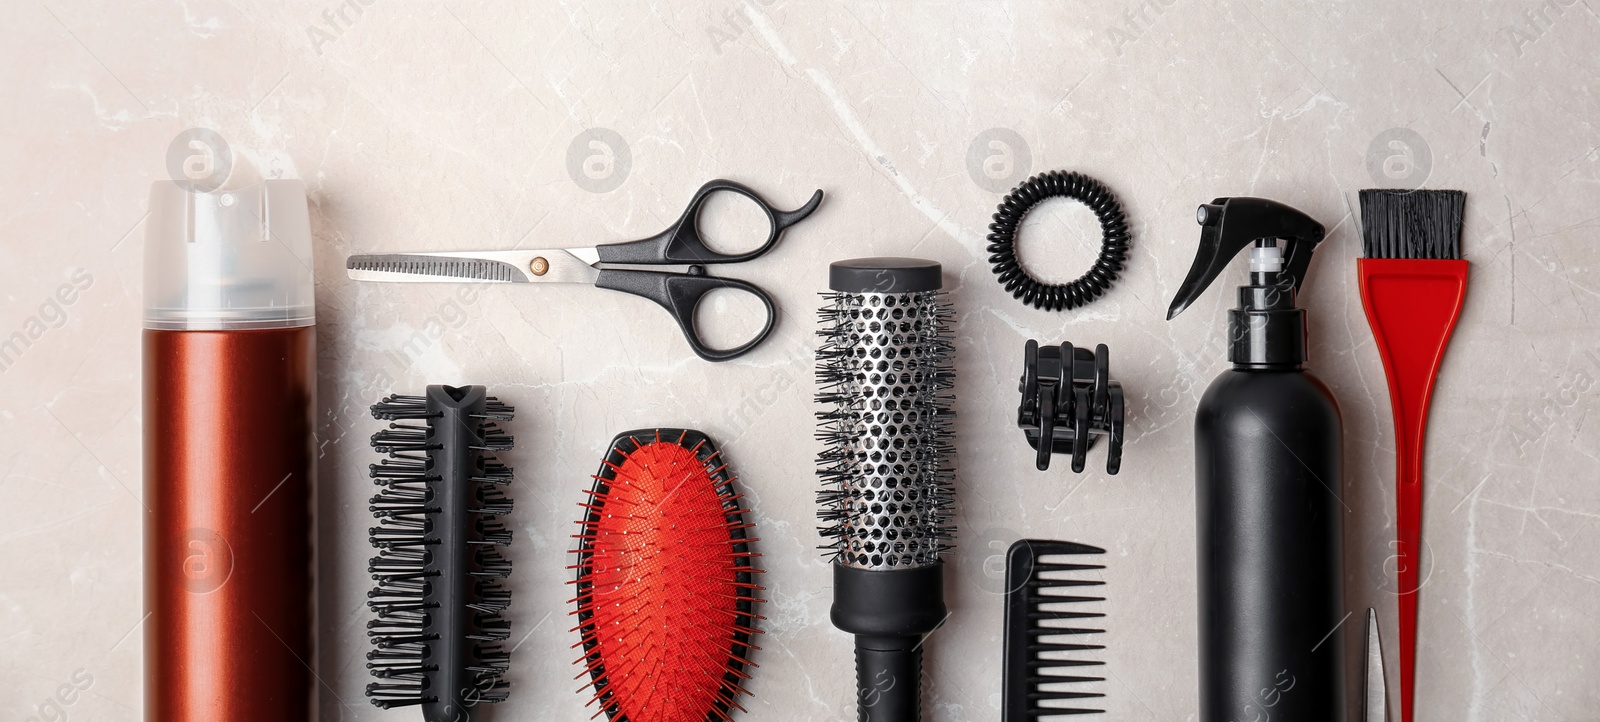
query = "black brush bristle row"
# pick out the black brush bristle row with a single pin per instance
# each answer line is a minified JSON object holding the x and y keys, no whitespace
{"x":1048,"y":638}
{"x":885,"y":373}
{"x":1412,"y":224}
{"x":438,"y":598}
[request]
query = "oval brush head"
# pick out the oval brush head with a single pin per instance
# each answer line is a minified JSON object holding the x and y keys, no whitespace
{"x":665,"y":598}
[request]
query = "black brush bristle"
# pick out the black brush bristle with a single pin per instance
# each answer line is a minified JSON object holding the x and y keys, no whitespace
{"x":1411,"y":224}
{"x":1048,"y":647}
{"x":438,"y":597}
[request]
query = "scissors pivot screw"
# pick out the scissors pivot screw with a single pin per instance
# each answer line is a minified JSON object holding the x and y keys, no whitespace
{"x":538,"y":266}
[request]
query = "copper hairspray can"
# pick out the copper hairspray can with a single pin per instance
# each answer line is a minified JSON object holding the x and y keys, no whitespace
{"x":229,"y":391}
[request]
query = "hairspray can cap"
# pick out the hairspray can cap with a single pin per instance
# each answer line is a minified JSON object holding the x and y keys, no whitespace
{"x":228,"y":259}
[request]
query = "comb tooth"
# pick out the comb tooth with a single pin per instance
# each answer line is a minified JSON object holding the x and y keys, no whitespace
{"x":1068,"y":617}
{"x":1053,"y":696}
{"x":1057,"y":583}
{"x":1041,"y":548}
{"x":1065,"y":567}
{"x":1048,"y":712}
{"x":1035,"y":665}
{"x":1050,"y":631}
{"x":1045,"y":679}
{"x":1062,"y":599}
{"x":1063,"y":647}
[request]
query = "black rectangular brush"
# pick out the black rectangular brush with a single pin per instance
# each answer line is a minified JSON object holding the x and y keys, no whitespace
{"x":440,"y":540}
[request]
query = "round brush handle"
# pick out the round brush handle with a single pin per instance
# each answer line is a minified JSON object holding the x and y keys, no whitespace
{"x":890,"y":612}
{"x":889,"y":679}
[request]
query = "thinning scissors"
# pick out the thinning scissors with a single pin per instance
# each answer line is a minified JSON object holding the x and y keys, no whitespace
{"x":679,"y":293}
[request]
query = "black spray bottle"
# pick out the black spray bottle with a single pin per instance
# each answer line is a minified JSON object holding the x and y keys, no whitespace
{"x":1268,"y":483}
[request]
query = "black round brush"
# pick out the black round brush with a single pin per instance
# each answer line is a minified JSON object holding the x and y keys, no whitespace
{"x":438,"y":596}
{"x":884,"y":373}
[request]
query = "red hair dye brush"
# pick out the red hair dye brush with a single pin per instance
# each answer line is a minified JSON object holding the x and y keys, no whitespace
{"x":666,"y":592}
{"x":1413,"y":281}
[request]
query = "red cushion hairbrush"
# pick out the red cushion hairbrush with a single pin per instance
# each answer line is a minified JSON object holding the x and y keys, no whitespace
{"x":666,"y":592}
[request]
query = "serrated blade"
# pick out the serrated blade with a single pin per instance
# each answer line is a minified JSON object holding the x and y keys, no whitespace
{"x":553,"y":265}
{"x":425,"y":268}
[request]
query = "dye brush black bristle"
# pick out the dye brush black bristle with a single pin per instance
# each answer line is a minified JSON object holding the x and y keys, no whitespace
{"x":1411,"y":224}
{"x":438,"y":598}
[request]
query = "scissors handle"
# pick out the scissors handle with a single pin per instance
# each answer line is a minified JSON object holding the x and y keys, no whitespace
{"x":680,"y":294}
{"x":682,"y":242}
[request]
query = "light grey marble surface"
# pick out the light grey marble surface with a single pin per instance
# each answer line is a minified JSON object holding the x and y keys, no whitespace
{"x":447,"y":125}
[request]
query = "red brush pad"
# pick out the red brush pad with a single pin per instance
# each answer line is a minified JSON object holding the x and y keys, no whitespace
{"x":664,"y":573}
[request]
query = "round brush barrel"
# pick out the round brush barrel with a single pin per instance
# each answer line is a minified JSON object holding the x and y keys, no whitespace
{"x":884,"y":369}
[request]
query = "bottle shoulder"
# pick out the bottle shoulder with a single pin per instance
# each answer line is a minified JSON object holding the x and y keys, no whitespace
{"x":1270,"y":394}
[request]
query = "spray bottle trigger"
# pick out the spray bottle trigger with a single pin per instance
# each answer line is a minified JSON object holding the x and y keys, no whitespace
{"x":1229,"y":225}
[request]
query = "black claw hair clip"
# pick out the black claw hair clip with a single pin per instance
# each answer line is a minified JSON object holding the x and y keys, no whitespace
{"x":1068,"y":401}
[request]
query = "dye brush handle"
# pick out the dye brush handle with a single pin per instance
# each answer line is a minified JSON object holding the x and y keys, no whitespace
{"x":1412,"y":306}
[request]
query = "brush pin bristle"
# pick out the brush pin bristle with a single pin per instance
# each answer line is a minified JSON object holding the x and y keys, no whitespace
{"x":1412,"y":224}
{"x":438,"y":598}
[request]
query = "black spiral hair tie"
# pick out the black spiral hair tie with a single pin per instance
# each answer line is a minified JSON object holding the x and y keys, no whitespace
{"x":1089,"y":286}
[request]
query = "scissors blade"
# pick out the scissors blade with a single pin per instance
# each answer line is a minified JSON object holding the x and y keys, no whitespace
{"x":550,"y":265}
{"x":1375,"y":693}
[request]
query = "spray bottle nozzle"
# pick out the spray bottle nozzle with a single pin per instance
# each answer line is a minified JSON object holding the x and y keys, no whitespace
{"x":1229,"y":225}
{"x":1266,"y":257}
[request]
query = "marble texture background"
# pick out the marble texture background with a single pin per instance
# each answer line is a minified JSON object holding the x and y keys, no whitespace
{"x":428,"y":125}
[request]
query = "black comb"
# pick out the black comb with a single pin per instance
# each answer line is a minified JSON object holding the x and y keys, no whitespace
{"x":1037,"y":624}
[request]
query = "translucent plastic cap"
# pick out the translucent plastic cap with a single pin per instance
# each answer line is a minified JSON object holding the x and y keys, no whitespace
{"x":228,"y":259}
